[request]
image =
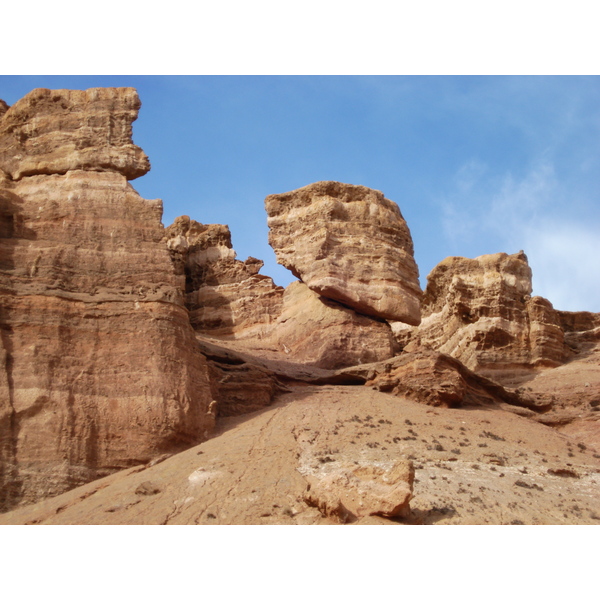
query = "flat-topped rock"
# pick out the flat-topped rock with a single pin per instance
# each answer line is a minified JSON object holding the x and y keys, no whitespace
{"x":480,"y":311}
{"x":350,"y":244}
{"x":55,"y":131}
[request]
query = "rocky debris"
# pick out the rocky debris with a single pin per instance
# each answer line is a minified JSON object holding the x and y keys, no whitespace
{"x":225,"y":296}
{"x":56,"y":131}
{"x":349,"y":492}
{"x":147,"y":488}
{"x":99,"y":365}
{"x":480,"y":311}
{"x":350,"y":244}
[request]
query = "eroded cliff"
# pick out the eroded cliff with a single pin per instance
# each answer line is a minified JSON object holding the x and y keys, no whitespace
{"x":100,"y":369}
{"x":122,"y":342}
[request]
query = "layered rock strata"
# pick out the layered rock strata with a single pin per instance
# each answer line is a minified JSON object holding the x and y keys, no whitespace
{"x":228,"y":299}
{"x":480,"y":311}
{"x":350,"y":244}
{"x":99,"y":368}
{"x":320,"y":332}
{"x":225,"y":296}
{"x":55,"y":131}
{"x":430,"y":377}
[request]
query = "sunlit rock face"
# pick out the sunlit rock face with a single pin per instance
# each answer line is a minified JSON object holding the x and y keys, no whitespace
{"x":320,"y":332}
{"x":229,"y":299}
{"x":350,"y":244}
{"x":226,"y":297}
{"x":481,"y":312}
{"x":98,"y":365}
{"x":55,"y":131}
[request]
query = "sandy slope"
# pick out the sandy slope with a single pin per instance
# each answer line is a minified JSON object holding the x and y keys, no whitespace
{"x":472,"y":466}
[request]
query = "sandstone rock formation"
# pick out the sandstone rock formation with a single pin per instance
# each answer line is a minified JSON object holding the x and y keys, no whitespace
{"x":322,"y":333}
{"x":241,"y":388}
{"x":122,"y":343}
{"x":433,"y":378}
{"x":98,"y":358}
{"x":350,"y":244}
{"x":56,"y":131}
{"x":225,"y":296}
{"x":481,"y":312}
{"x":229,"y":299}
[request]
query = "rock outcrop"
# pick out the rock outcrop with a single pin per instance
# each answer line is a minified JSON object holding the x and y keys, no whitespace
{"x":228,"y":299}
{"x":480,"y":311}
{"x":225,"y":296}
{"x":57,"y":131}
{"x":99,"y":368}
{"x":350,"y":244}
{"x":320,"y":332}
{"x":122,"y":343}
{"x":430,"y":377}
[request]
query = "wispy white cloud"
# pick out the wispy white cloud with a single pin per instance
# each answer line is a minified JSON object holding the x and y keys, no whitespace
{"x":565,"y":260}
{"x":529,"y":213}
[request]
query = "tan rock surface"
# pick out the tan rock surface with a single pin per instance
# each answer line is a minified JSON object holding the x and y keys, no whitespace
{"x":315,"y":331}
{"x":99,"y":364}
{"x":481,"y":312}
{"x":479,"y":465}
{"x":101,"y":370}
{"x":225,"y":296}
{"x":350,"y":244}
{"x":242,"y":388}
{"x":229,"y":300}
{"x":55,"y":131}
{"x":351,"y":491}
{"x":574,"y":387}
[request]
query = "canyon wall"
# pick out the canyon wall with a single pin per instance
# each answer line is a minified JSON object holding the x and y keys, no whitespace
{"x":99,"y":368}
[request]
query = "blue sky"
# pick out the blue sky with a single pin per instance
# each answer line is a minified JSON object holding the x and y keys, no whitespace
{"x":477,"y":164}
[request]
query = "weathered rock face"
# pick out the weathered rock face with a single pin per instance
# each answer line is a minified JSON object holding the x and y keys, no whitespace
{"x":225,"y":296}
{"x":350,"y":244}
{"x":99,"y":368}
{"x":229,"y":299}
{"x":322,"y":333}
{"x":481,"y":312}
{"x":349,"y":492}
{"x":430,"y":377}
{"x":55,"y":131}
{"x":241,"y":388}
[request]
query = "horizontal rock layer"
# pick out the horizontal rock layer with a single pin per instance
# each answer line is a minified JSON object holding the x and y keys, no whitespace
{"x":225,"y":296}
{"x":229,"y":299}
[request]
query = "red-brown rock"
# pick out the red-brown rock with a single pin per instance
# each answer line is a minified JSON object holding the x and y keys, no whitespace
{"x":225,"y":296}
{"x":350,"y":244}
{"x":481,"y":312}
{"x":99,"y":364}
